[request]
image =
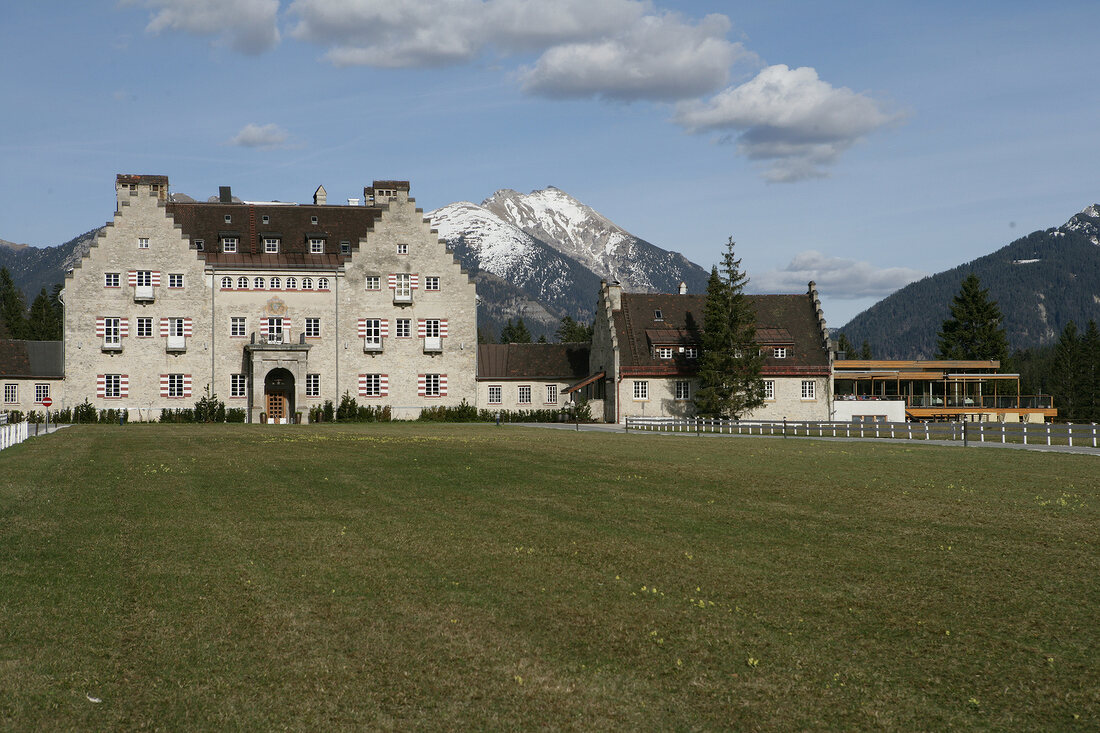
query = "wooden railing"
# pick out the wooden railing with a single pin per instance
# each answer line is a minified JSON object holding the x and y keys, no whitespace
{"x":963,"y":432}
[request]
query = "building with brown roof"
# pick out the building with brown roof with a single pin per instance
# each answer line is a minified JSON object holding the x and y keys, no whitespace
{"x":645,"y":350}
{"x":521,"y":377}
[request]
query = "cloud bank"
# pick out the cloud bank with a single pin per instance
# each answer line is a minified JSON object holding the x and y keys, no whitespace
{"x":836,"y":277}
{"x":792,"y":123}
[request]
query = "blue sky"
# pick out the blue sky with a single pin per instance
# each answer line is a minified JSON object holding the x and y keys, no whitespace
{"x":860,"y":143}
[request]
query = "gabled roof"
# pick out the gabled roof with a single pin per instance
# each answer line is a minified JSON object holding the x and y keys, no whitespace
{"x":33,"y":359}
{"x":563,"y":362}
{"x":291,"y":224}
{"x":781,"y":320}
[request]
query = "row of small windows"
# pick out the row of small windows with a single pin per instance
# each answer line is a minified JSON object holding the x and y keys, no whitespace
{"x":11,"y":393}
{"x":692,"y":352}
{"x":523,"y":394}
{"x":272,"y":245}
{"x":683,"y":389}
{"x":274,"y":283}
{"x":142,"y":277}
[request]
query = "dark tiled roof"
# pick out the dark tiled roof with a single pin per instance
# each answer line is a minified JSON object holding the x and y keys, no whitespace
{"x":532,"y":361}
{"x":142,"y":179}
{"x":292,"y":224}
{"x":780,"y":319}
{"x":42,"y":359}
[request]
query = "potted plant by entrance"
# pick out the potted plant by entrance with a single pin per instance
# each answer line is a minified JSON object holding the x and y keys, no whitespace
{"x":263,"y":417}
{"x":298,"y":418}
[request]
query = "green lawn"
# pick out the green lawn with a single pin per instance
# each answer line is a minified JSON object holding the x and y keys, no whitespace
{"x":461,"y":576}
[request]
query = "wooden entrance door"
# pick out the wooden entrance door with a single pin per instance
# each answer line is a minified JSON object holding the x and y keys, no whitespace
{"x":276,"y":407}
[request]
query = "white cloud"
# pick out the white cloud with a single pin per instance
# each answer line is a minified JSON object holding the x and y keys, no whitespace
{"x":260,"y":136}
{"x":789,"y":118}
{"x":618,"y":49}
{"x":248,"y":26}
{"x":659,"y":57}
{"x":836,"y":277}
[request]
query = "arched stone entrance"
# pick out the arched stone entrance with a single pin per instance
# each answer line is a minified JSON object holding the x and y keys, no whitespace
{"x":279,"y":396}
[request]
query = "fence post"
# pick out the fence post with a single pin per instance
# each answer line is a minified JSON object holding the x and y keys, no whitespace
{"x":926,"y":431}
{"x":981,"y":432}
{"x":1048,"y":433}
{"x":1025,"y":433}
{"x":1070,"y":434}
{"x":1094,"y":435}
{"x":1003,"y":426}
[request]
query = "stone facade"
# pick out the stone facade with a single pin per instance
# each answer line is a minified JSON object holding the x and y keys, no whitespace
{"x":274,"y":308}
{"x":647,"y":347}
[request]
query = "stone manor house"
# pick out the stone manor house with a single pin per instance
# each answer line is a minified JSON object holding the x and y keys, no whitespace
{"x":277,"y":307}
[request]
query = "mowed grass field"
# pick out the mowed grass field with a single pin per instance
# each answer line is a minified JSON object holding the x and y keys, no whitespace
{"x":474,"y":577}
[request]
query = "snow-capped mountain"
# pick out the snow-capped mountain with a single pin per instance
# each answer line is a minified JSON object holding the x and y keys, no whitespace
{"x":583,"y":234}
{"x":555,"y":250}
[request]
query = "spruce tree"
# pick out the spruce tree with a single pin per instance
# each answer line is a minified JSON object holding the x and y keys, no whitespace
{"x":571,"y":331}
{"x":1089,"y":375}
{"x":1065,"y":372}
{"x":974,"y":330}
{"x":42,"y":322}
{"x":731,"y":363}
{"x":515,"y":334}
{"x":13,"y":308}
{"x":865,"y":351}
{"x":844,"y":345}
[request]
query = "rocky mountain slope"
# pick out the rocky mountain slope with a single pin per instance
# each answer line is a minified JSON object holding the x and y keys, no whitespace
{"x":33,"y":268}
{"x":555,"y":250}
{"x":1041,"y":282}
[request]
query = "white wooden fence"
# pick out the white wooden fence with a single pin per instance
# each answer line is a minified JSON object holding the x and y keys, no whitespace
{"x":12,"y":434}
{"x":963,"y":432}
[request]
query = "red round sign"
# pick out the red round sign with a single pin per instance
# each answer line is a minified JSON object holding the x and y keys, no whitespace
{"x":47,"y":401}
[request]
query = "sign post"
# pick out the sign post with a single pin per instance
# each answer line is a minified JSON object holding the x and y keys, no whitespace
{"x":46,"y":402}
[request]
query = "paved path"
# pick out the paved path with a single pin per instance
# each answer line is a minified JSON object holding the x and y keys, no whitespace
{"x":606,"y":428}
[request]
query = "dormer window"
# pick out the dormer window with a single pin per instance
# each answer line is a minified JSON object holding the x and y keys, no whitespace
{"x":316,"y":246}
{"x":313,"y":220}
{"x":229,"y":244}
{"x":780,"y":352}
{"x":200,"y":245}
{"x":664,"y":352}
{"x":271,"y":245}
{"x":267,"y":219}
{"x":228,"y":218}
{"x":691,"y":352}
{"x":658,"y":315}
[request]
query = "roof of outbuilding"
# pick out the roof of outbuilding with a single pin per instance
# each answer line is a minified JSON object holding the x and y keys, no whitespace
{"x":34,"y":359}
{"x":780,"y":320}
{"x":533,"y":361}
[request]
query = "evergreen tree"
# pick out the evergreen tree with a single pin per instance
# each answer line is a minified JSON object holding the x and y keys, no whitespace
{"x":485,"y":336}
{"x":1065,"y":373}
{"x":843,"y":344}
{"x":1089,"y":388}
{"x":975,"y":329}
{"x":542,"y":339}
{"x":42,"y":322}
{"x":515,"y":334}
{"x":865,"y":351}
{"x":571,"y":331}
{"x":13,"y":323}
{"x":731,"y":362}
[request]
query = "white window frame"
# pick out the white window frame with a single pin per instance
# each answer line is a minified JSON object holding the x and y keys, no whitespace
{"x":144,"y":327}
{"x":238,"y":326}
{"x":229,"y":244}
{"x":641,"y":390}
{"x":313,"y":328}
{"x":809,"y":389}
{"x":372,"y":282}
{"x":372,"y":385}
{"x":431,"y":282}
{"x":403,"y":328}
{"x":402,"y":249}
{"x":316,"y":246}
{"x":143,"y":278}
{"x":431,"y":385}
{"x":41,"y":392}
{"x":292,"y":283}
{"x":227,"y":283}
{"x":683,"y":389}
{"x":200,"y":245}
{"x":551,"y":394}
{"x":307,"y":283}
{"x":313,"y":385}
{"x":779,"y":352}
{"x":143,"y":242}
{"x":238,"y":385}
{"x":345,"y":248}
{"x":691,"y":352}
{"x":769,"y":389}
{"x":112,"y":279}
{"x":372,"y":331}
{"x":431,"y":328}
{"x":275,"y":330}
{"x":402,"y":288}
{"x":664,"y":352}
{"x":271,"y":245}
{"x":496,"y":394}
{"x":112,"y":332}
{"x":175,"y":385}
{"x":523,"y":394}
{"x":112,"y":386}
{"x":242,"y":283}
{"x":175,"y":281}
{"x":276,"y":283}
{"x":322,"y":283}
{"x":11,"y":393}
{"x":258,"y":283}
